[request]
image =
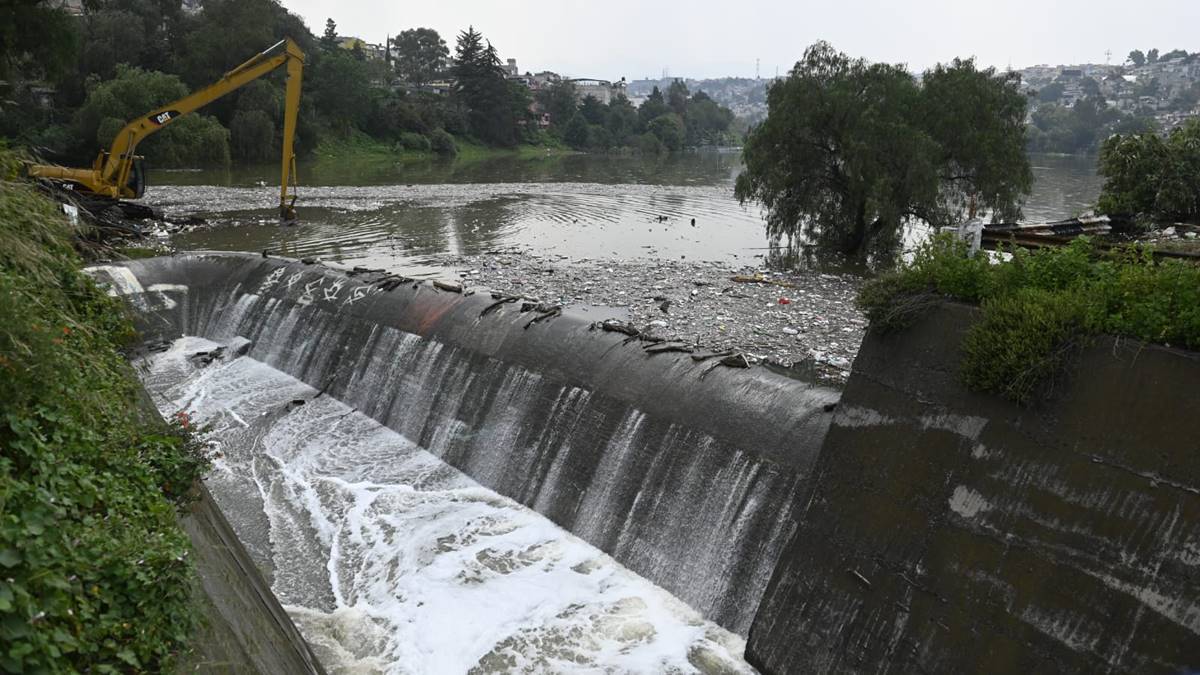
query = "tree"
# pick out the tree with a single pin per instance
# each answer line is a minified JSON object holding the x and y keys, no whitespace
{"x":850,"y":151}
{"x":668,"y":129}
{"x":706,"y":122}
{"x":329,"y":39}
{"x":576,"y":132}
{"x":1152,"y":56}
{"x":977,"y":118}
{"x":1052,"y":92}
{"x":558,"y":99}
{"x":653,"y":107}
{"x":1145,"y":174}
{"x":1137,"y":58}
{"x":1174,"y":54}
{"x":622,"y":119}
{"x":36,"y":36}
{"x":593,"y":110}
{"x":192,"y":141}
{"x":480,"y":88}
{"x":340,"y":87}
{"x":420,"y":55}
{"x":677,"y":97}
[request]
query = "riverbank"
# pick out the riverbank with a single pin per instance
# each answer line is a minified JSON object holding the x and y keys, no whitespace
{"x":359,"y":147}
{"x":801,"y":320}
{"x":98,"y":573}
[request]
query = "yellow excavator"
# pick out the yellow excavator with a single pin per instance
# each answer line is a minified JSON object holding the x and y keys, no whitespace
{"x":117,"y":172}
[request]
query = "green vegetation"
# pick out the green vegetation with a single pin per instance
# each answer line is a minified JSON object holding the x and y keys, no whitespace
{"x":1037,"y":307}
{"x":1153,"y":177}
{"x":96,"y":575}
{"x":850,"y":151}
{"x":68,"y":83}
{"x":690,"y":120}
{"x":1080,"y":128}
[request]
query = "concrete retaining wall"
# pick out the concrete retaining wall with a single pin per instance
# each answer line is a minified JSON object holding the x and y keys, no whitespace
{"x":953,"y":532}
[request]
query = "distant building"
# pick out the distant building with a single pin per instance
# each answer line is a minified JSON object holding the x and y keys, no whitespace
{"x":543,"y":79}
{"x":602,"y":90}
{"x":373,"y":52}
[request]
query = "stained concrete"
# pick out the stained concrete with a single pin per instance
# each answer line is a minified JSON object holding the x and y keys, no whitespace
{"x":245,"y":630}
{"x":950,"y":531}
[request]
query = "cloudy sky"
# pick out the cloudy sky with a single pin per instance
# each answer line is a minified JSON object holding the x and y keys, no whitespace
{"x":705,"y":38}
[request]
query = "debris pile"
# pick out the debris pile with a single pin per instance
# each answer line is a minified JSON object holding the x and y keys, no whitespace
{"x":783,"y":318}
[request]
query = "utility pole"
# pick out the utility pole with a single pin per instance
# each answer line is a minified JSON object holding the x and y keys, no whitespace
{"x":1108,"y":57}
{"x":758,"y":69}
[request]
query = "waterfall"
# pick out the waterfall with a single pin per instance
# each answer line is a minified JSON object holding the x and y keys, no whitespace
{"x":688,"y":473}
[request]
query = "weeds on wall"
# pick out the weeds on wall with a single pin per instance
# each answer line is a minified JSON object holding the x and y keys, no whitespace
{"x":95,"y":573}
{"x":1037,"y":307}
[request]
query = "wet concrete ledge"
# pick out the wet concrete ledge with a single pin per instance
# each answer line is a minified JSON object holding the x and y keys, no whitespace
{"x":775,"y":417}
{"x":951,"y":531}
{"x":245,"y":629}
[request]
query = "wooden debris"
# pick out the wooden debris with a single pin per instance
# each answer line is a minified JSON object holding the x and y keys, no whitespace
{"x":445,"y":286}
{"x":760,"y":279}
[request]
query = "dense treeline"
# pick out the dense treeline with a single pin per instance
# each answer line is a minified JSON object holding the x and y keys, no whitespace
{"x":71,"y":82}
{"x":1081,"y":127}
{"x":663,"y":122}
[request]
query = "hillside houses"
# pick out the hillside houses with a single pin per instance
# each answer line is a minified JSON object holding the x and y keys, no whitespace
{"x":1168,"y":90}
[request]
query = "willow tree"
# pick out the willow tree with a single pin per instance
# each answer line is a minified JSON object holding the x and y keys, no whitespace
{"x":851,"y":151}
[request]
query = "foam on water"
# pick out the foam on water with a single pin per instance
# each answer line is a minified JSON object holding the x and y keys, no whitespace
{"x":392,"y":561}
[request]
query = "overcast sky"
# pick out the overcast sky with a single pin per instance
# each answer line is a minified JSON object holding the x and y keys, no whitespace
{"x":704,"y":38}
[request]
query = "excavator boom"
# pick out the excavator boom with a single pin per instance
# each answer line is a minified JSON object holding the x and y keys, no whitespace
{"x":113,"y":174}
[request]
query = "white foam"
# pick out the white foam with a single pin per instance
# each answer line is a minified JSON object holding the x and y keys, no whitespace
{"x":391,"y":561}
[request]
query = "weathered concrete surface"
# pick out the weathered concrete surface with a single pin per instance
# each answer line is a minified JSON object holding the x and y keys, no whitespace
{"x":246,"y":630}
{"x":953,"y":532}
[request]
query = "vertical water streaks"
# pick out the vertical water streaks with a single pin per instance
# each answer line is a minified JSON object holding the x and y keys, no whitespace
{"x":391,"y":561}
{"x":696,"y":513}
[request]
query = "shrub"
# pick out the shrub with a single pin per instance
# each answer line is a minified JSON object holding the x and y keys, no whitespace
{"x":1037,"y":306}
{"x":194,"y":140}
{"x":648,"y":144}
{"x":443,"y":143}
{"x":96,"y":570}
{"x":414,"y":142}
{"x":1145,"y":174}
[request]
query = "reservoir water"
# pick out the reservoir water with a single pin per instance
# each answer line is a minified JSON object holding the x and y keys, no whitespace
{"x":406,"y":215}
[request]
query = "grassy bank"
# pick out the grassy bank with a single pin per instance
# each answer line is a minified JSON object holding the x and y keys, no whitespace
{"x":359,"y":147}
{"x":96,"y":571}
{"x":1037,"y":307}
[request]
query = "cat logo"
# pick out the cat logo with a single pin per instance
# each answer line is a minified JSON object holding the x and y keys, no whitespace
{"x":164,"y":117}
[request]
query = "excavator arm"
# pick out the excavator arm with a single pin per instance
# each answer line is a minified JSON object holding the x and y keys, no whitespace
{"x":111,"y":173}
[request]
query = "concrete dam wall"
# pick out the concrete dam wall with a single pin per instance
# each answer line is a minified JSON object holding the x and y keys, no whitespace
{"x":904,"y":525}
{"x":689,"y":473}
{"x":950,"y":531}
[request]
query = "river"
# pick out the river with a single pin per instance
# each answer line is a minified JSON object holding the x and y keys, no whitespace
{"x":390,"y":560}
{"x":407,"y":215}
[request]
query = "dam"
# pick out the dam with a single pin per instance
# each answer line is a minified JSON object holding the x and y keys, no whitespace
{"x":345,"y":403}
{"x":435,"y":480}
